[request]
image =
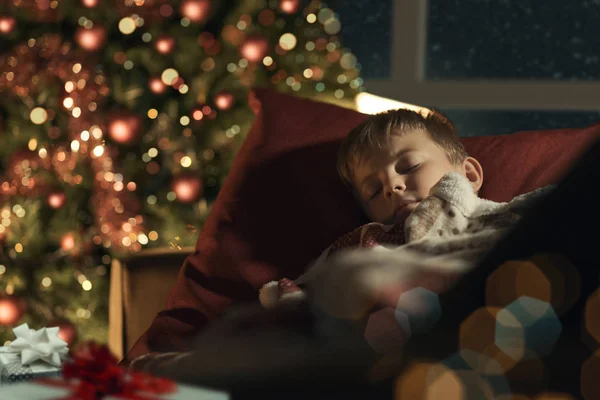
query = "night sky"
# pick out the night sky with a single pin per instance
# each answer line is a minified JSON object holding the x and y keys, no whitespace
{"x":488,"y":39}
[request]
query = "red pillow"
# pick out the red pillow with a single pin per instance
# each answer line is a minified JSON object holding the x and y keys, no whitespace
{"x":283,"y":204}
{"x":521,"y":162}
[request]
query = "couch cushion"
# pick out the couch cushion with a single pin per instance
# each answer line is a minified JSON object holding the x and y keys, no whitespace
{"x":283,"y":204}
{"x":521,"y":162}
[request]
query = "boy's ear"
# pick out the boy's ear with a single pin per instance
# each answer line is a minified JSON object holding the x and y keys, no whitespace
{"x":474,"y":172}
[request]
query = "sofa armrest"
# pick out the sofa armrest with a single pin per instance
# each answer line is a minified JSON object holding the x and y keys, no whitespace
{"x":139,"y":287}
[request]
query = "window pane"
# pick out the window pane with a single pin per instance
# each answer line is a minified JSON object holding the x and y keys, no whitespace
{"x":513,"y":39}
{"x":366,"y":31}
{"x":490,"y":122}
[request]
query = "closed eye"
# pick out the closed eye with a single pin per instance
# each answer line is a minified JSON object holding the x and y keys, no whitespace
{"x":408,"y":170}
{"x":375,"y":194}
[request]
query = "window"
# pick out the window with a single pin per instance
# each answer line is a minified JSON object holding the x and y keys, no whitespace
{"x":494,"y":66}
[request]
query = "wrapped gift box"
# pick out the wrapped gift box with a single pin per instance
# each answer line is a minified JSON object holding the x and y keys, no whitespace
{"x":14,"y":372}
{"x":47,"y":390}
{"x":33,"y":354}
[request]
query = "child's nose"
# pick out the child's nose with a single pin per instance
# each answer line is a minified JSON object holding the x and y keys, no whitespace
{"x":399,"y":188}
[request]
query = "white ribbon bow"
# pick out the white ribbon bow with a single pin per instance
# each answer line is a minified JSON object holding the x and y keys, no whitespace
{"x":35,"y":347}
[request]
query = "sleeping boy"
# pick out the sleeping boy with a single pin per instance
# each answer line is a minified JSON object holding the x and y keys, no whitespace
{"x":413,"y":178}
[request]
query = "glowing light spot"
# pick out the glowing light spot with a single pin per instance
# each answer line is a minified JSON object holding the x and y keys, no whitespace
{"x":169,"y":75}
{"x":287,"y":41}
{"x":98,"y":151}
{"x":38,"y":115}
{"x":127,"y":25}
{"x":186,"y":161}
{"x":152,"y":113}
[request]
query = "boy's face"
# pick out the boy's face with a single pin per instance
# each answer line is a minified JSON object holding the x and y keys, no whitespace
{"x":391,"y":182}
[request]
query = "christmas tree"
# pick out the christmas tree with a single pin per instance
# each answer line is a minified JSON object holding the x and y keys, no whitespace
{"x":119,"y":120}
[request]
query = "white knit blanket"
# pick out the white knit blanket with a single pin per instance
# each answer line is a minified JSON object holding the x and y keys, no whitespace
{"x":445,"y":237}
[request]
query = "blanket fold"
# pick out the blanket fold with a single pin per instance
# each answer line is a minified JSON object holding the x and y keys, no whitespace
{"x":448,"y":233}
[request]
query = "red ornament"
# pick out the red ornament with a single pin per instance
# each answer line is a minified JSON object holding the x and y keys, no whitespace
{"x":125,"y":128}
{"x":66,"y":330}
{"x":7,"y":24}
{"x":224,"y":100}
{"x":195,"y":10}
{"x":289,"y":6}
{"x":156,"y":85}
{"x":187,"y":187}
{"x":254,"y":48}
{"x":90,"y":3}
{"x":10,"y":312}
{"x":56,"y":200}
{"x":165,"y":44}
{"x":90,"y":39}
{"x":67,"y":242}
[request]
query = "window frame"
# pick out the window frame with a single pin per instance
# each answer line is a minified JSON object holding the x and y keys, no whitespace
{"x":407,"y":82}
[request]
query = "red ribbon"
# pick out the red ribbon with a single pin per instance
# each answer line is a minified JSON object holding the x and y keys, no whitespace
{"x":93,"y":373}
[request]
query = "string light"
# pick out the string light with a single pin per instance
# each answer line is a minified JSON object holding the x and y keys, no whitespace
{"x":186,"y":161}
{"x":127,"y":26}
{"x":84,"y":100}
{"x":287,"y":41}
{"x":38,"y":115}
{"x":169,"y":75}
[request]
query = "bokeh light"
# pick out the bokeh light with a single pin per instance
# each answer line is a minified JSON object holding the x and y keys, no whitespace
{"x":527,"y":328}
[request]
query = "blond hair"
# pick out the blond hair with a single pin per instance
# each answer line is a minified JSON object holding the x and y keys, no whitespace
{"x":375,"y":131}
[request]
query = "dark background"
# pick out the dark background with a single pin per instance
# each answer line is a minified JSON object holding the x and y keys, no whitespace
{"x":488,"y":39}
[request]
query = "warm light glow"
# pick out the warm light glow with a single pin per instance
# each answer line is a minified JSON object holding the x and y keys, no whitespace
{"x":98,"y":151}
{"x":86,"y":285}
{"x":67,"y":242}
{"x":38,"y":115}
{"x":367,"y":103}
{"x":56,"y":200}
{"x":169,"y":75}
{"x":268,"y":61}
{"x":143,"y":239}
{"x":152,"y":113}
{"x":68,"y":103}
{"x":186,"y":161}
{"x":7,"y":24}
{"x":127,"y":25}
{"x":9,"y":311}
{"x":287,"y":41}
